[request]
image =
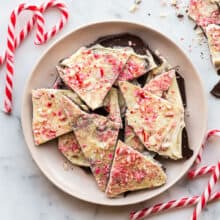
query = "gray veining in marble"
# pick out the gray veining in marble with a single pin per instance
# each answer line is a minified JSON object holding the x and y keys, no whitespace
{"x":24,"y":191}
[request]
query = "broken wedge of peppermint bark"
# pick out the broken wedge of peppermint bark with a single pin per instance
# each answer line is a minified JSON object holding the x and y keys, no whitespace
{"x":91,"y":72}
{"x":136,"y":66}
{"x":53,"y":114}
{"x":154,"y":120}
{"x":213,"y":35}
{"x":204,"y":12}
{"x":160,"y":84}
{"x":97,"y":137}
{"x":131,"y":171}
{"x":69,"y":147}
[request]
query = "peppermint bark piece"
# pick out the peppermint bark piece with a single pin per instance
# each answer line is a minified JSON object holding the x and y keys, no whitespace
{"x":160,"y":83}
{"x":204,"y":12}
{"x":92,"y":72}
{"x":53,"y":114}
{"x":154,"y":120}
{"x":111,"y":102}
{"x":132,"y":170}
{"x":213,"y":35}
{"x":165,"y":86}
{"x":69,"y":147}
{"x":97,"y":138}
{"x":136,"y":66}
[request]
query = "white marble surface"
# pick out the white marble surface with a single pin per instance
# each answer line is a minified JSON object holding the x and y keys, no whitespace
{"x":24,"y":191}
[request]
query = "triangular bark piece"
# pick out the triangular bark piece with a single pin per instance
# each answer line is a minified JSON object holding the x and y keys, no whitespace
{"x":204,"y":12}
{"x":92,"y":72}
{"x":160,"y":83}
{"x":132,"y":170}
{"x":97,"y":138}
{"x":153,"y":119}
{"x":53,"y":114}
{"x":136,"y":66}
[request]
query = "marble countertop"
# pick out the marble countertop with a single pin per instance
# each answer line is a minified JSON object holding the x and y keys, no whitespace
{"x":25,"y":193}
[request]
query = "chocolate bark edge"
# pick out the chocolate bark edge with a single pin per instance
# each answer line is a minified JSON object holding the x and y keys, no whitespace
{"x":182,"y":88}
{"x":216,"y":90}
{"x":186,"y":151}
{"x":127,"y":40}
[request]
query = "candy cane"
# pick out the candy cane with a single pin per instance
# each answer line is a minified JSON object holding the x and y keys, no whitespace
{"x":180,"y":203}
{"x":209,"y":134}
{"x":28,"y":28}
{"x":212,"y":182}
{"x":200,"y":171}
{"x":203,"y":199}
{"x":41,"y":37}
{"x":64,"y":17}
{"x":200,"y":201}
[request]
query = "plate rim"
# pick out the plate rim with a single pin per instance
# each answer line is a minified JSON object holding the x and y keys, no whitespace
{"x":87,"y":25}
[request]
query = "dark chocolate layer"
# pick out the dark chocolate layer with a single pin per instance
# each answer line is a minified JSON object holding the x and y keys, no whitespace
{"x":59,"y":84}
{"x":121,"y":134}
{"x":127,"y":40}
{"x":181,"y":85}
{"x":216,"y":90}
{"x":186,"y":151}
{"x":123,"y":40}
{"x":101,"y":111}
{"x":142,"y":79}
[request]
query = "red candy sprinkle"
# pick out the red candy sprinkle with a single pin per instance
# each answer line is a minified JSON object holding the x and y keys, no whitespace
{"x":101,"y":72}
{"x":97,"y":171}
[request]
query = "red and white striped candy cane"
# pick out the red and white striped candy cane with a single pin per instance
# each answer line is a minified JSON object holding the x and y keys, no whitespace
{"x":201,"y":171}
{"x":45,"y":36}
{"x":28,"y":27}
{"x":203,"y":199}
{"x":180,"y":203}
{"x":200,"y":201}
{"x":11,"y":51}
{"x":41,"y":37}
{"x":212,"y":182}
{"x":209,"y":134}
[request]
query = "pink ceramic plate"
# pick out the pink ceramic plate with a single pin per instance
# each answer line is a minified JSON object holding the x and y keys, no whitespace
{"x":76,"y":182}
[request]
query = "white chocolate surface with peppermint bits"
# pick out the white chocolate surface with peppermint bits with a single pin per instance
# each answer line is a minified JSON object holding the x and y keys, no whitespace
{"x":213,"y":35}
{"x":69,"y":147}
{"x":132,"y":170}
{"x":155,"y":121}
{"x":53,"y":114}
{"x":204,"y":12}
{"x":92,"y":72}
{"x":111,"y":102}
{"x":97,"y":137}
